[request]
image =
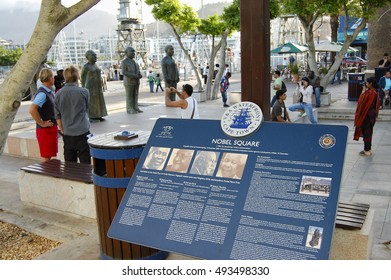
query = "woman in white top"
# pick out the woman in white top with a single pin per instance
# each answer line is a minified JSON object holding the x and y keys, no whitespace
{"x":305,"y":103}
{"x":188,"y":105}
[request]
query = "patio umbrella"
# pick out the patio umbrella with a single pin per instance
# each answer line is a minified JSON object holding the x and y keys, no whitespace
{"x":350,"y":49}
{"x":328,"y":47}
{"x":332,"y":47}
{"x":290,"y":48}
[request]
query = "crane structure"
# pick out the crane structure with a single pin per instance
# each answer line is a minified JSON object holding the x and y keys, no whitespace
{"x":131,"y":31}
{"x":290,"y":31}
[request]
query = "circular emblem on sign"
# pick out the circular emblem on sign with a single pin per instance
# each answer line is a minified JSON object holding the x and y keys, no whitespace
{"x":241,"y":119}
{"x":327,"y":141}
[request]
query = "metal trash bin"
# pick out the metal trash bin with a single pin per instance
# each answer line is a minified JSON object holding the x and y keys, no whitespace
{"x":114,"y":162}
{"x":354,"y":85}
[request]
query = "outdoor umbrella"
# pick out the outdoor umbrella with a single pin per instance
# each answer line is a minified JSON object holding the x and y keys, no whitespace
{"x":290,"y":48}
{"x":332,"y":47}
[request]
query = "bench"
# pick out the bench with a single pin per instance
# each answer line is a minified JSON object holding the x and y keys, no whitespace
{"x":325,"y":99}
{"x":64,"y":187}
{"x":351,"y":215}
{"x":353,"y":234}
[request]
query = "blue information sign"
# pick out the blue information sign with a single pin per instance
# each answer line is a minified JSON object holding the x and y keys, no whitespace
{"x":270,"y":195}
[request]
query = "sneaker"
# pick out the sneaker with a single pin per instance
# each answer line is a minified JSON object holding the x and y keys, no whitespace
{"x":365,"y":153}
{"x":225,"y":105}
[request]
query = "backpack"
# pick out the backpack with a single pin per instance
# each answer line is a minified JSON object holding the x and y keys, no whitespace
{"x":283,"y":86}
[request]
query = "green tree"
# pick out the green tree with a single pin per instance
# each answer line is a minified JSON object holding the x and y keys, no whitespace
{"x":9,"y":57}
{"x":215,"y":27}
{"x":53,"y":17}
{"x":183,"y":21}
{"x":220,"y":27}
{"x":309,"y":11}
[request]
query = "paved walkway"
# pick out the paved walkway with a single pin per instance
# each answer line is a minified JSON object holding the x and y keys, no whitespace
{"x":365,"y":179}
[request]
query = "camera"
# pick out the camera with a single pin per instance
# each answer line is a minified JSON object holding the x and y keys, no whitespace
{"x":363,"y":84}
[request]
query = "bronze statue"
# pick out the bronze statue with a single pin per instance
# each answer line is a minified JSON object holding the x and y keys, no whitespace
{"x":170,"y":70}
{"x":91,"y":79}
{"x":132,"y":76}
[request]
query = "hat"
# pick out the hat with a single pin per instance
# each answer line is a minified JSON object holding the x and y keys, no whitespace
{"x":60,"y":68}
{"x":305,"y":79}
{"x":188,"y":88}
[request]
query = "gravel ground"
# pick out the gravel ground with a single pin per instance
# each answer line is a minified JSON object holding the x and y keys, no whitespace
{"x":18,"y":244}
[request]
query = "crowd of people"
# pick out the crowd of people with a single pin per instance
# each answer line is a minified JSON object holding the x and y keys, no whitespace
{"x":375,"y":94}
{"x":61,"y":106}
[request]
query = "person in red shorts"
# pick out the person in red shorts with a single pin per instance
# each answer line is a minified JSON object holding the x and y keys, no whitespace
{"x":42,"y":111}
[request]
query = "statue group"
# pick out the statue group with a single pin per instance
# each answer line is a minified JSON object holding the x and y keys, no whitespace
{"x":92,"y":80}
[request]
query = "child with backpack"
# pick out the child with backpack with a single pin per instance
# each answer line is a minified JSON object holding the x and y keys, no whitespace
{"x":151,"y":81}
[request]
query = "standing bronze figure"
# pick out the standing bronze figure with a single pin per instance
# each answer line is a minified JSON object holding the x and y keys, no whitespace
{"x":91,"y":79}
{"x":170,"y":70}
{"x":132,"y":76}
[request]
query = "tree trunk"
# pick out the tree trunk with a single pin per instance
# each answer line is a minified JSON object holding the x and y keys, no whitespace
{"x":308,"y":28}
{"x":52,"y":18}
{"x":216,"y":85}
{"x":377,"y":36}
{"x":213,"y":54}
{"x":188,"y":55}
{"x":334,"y":25}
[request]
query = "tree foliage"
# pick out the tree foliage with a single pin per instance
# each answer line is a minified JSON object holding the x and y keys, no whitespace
{"x":183,"y":21}
{"x":53,"y":17}
{"x":9,"y":57}
{"x":219,"y":27}
{"x":309,"y":11}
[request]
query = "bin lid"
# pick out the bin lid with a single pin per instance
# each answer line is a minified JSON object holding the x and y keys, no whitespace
{"x":356,"y":76}
{"x":107,"y":141}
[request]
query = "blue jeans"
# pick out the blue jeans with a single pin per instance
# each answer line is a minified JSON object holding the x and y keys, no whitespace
{"x":307,"y":108}
{"x":159,"y":85}
{"x":224,"y":96}
{"x":151,"y":86}
{"x":382,"y":94}
{"x":338,"y":76}
{"x":317,"y":96}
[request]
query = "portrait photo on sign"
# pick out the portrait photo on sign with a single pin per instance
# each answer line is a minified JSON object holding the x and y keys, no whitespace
{"x":180,"y":160}
{"x":312,"y":185}
{"x":156,"y":158}
{"x":314,"y":237}
{"x":204,"y":163}
{"x":232,"y":165}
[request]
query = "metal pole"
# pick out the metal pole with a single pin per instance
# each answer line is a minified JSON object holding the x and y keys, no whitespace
{"x":75,"y":43}
{"x":158,"y":40}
